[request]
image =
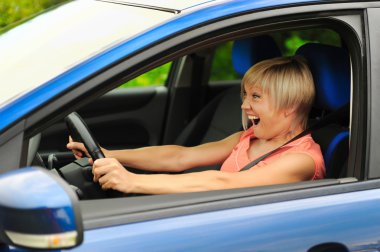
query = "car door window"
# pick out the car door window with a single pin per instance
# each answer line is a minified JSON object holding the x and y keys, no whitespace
{"x":290,"y":41}
{"x":222,"y":68}
{"x":155,"y":77}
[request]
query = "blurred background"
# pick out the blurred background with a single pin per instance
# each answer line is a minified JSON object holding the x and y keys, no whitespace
{"x":13,"y":11}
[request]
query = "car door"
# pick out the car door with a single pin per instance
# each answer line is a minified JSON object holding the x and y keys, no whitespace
{"x":327,"y":214}
{"x":303,"y":220}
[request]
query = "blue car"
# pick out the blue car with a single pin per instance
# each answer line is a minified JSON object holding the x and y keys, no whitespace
{"x":77,"y":59}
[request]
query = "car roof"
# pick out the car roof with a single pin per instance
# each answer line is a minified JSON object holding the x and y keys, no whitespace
{"x":163,"y":5}
{"x":192,"y":13}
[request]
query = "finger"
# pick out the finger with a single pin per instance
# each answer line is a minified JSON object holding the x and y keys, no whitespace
{"x":100,"y":170}
{"x":110,"y":181}
{"x":77,"y":154}
{"x":76,"y":145}
{"x":104,"y":182}
{"x":107,"y":161}
{"x":78,"y":149}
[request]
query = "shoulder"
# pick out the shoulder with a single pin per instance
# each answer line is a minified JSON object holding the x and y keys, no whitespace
{"x":304,"y":144}
{"x":308,"y":148}
{"x":292,"y":167}
{"x":299,"y":164}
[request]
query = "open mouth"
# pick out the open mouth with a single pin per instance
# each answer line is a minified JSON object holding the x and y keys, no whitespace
{"x":254,"y":119}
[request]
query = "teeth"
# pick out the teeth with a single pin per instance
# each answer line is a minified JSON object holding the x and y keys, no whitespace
{"x":253,"y":117}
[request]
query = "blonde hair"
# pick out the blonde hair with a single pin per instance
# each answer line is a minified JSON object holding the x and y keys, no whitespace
{"x":287,"y":80}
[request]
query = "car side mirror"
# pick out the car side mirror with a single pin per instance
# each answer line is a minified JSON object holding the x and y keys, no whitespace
{"x":38,"y":210}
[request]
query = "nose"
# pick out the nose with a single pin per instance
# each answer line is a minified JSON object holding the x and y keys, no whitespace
{"x":245,"y":104}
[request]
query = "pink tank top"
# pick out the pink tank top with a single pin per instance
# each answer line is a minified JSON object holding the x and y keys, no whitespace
{"x":239,"y":157}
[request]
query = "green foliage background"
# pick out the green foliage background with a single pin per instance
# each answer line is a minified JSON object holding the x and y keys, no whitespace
{"x":14,"y":12}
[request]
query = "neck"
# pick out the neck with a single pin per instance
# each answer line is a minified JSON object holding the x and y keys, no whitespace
{"x":285,"y":137}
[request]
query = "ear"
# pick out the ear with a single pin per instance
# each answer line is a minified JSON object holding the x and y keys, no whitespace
{"x":290,"y":111}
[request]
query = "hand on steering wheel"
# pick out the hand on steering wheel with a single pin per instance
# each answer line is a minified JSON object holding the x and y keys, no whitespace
{"x":77,"y":148}
{"x":79,"y":132}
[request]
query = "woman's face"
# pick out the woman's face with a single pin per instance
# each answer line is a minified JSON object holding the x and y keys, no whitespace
{"x":267,"y":122}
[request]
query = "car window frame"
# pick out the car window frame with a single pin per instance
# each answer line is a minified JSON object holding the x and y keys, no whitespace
{"x":372,"y":58}
{"x":100,"y":84}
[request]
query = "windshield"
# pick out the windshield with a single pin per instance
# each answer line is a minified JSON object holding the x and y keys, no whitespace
{"x":53,"y":42}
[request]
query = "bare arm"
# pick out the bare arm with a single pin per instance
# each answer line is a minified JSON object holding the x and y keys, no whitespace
{"x":171,"y":158}
{"x":289,"y":168}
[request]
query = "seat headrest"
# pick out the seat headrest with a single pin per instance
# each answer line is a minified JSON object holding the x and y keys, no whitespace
{"x":330,"y":67}
{"x":247,"y":52}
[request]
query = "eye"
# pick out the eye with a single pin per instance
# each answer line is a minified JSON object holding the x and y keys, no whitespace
{"x":256,"y":96}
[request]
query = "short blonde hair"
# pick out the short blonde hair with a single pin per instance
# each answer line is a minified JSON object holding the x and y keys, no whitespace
{"x":287,"y":80}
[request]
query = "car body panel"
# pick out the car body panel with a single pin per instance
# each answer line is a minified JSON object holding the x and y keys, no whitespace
{"x":269,"y":227}
{"x":374,"y":58}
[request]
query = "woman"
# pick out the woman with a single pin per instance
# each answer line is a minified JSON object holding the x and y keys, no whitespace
{"x":277,"y":95}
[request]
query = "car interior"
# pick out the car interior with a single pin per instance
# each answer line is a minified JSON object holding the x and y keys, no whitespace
{"x":190,"y":108}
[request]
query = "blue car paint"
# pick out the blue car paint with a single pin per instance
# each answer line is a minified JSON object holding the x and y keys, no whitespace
{"x":32,"y":188}
{"x":22,"y":182}
{"x":20,"y":107}
{"x":270,"y":227}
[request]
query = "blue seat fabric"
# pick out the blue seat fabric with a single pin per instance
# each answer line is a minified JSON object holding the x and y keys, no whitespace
{"x":247,"y":52}
{"x":330,"y":67}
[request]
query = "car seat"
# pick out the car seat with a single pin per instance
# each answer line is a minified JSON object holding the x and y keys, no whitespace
{"x":330,"y":67}
{"x":221,"y":117}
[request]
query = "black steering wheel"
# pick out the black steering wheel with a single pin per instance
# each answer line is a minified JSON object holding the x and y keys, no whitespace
{"x":81,"y":133}
{"x":79,"y":173}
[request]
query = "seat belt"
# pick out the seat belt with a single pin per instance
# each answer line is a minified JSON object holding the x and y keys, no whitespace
{"x":330,"y":118}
